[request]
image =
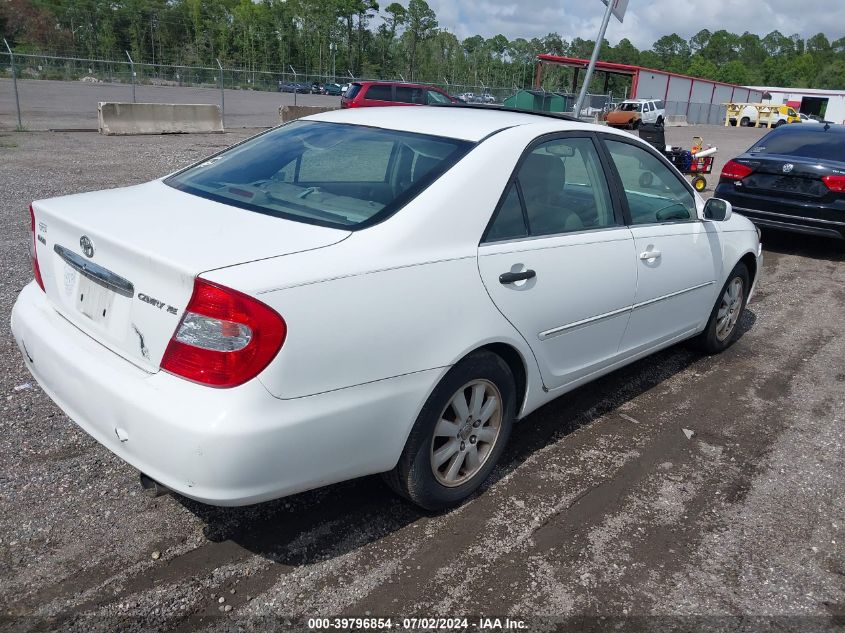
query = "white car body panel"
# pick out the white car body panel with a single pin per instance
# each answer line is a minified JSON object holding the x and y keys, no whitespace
{"x":556,"y":312}
{"x":375,"y":317}
{"x":676,"y":290}
{"x":136,"y":235}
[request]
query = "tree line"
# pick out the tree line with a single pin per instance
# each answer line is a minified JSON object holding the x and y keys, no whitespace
{"x":365,"y":39}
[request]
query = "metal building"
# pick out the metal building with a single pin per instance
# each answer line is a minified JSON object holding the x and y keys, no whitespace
{"x":826,"y":104}
{"x":699,"y":100}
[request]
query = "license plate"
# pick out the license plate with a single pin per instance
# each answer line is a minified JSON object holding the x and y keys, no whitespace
{"x":93,"y":300}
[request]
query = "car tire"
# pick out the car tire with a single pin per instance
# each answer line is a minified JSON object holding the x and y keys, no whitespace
{"x":659,"y":122}
{"x":744,"y":122}
{"x":779,"y":123}
{"x":636,"y":124}
{"x":721,"y":331}
{"x":476,"y":397}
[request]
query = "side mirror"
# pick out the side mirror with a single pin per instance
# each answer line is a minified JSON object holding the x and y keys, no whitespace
{"x":717,"y":210}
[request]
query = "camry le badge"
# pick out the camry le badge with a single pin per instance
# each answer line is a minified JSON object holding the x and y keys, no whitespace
{"x":788,"y":168}
{"x":86,"y":246}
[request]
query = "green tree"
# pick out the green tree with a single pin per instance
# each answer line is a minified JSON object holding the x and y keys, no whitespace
{"x":422,"y":22}
{"x":832,"y":76}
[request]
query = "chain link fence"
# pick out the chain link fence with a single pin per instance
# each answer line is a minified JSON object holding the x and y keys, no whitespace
{"x":131,"y":80}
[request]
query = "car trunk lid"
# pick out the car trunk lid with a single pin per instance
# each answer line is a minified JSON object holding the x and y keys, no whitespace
{"x":786,"y":176}
{"x":120,"y":264}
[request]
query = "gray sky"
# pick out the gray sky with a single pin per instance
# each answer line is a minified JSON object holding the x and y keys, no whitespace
{"x":645,"y":21}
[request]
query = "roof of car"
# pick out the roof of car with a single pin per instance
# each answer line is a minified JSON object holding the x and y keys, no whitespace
{"x":460,"y":121}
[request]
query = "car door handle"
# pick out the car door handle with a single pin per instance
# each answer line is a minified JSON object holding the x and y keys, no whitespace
{"x":650,"y":255}
{"x":509,"y":278}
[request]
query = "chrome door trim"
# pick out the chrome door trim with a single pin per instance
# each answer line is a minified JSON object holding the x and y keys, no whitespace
{"x":547,"y":334}
{"x":95,"y":272}
{"x":791,"y":217}
{"x":564,"y":328}
{"x":671,"y":295}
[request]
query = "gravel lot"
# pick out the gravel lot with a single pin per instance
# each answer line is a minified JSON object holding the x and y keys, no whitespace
{"x":603,"y":514}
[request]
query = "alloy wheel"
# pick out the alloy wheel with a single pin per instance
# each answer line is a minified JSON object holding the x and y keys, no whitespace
{"x":730,"y":309}
{"x":466,"y":432}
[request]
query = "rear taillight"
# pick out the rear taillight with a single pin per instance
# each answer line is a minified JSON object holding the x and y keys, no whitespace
{"x":835,"y":183}
{"x":225,"y":337}
{"x":33,"y":252}
{"x":735,"y":171}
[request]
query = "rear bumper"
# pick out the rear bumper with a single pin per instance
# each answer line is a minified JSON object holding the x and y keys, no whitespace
{"x":218,"y":446}
{"x":794,"y":224}
{"x":785,"y":215}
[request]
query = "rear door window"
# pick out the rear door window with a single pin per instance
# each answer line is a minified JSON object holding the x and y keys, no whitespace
{"x":407,"y":94}
{"x":379,"y":92}
{"x":563,"y":189}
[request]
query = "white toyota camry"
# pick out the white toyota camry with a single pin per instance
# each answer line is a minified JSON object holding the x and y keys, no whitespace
{"x":369,"y":291}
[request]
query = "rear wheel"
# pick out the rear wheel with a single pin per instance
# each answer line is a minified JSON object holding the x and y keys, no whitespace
{"x":779,"y":123}
{"x":745,"y":121}
{"x":722,"y":330}
{"x":459,"y":435}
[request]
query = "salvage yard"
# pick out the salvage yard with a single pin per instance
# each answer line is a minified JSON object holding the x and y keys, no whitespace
{"x":685,"y":488}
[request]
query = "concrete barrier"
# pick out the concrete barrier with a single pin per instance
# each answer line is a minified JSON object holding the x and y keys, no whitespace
{"x":158,"y":118}
{"x":676,"y":120}
{"x":290,"y":113}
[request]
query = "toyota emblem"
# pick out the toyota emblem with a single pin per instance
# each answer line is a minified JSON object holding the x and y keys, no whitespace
{"x":788,"y":168}
{"x":86,"y":246}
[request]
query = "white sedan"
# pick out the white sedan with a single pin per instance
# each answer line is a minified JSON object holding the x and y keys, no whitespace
{"x":369,"y":291}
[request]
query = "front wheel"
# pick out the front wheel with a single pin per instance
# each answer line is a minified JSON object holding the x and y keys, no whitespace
{"x":459,"y":435}
{"x":721,"y":330}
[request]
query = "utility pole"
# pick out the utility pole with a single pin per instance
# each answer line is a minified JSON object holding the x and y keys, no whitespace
{"x":617,"y":7}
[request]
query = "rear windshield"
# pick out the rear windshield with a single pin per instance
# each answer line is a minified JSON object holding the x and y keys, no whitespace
{"x":816,"y":143}
{"x":352,"y":90}
{"x":331,"y":174}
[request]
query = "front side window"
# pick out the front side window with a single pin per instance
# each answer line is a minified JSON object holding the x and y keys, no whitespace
{"x":338,"y":175}
{"x":563,"y":189}
{"x":432,"y":96}
{"x":654,"y":193}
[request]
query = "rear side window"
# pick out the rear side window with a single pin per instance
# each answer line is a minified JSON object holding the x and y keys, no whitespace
{"x":795,"y":141}
{"x":379,"y":92}
{"x":331,"y":174}
{"x":660,"y":105}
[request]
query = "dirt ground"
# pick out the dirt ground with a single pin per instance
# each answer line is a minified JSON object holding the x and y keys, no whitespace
{"x":606,"y":513}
